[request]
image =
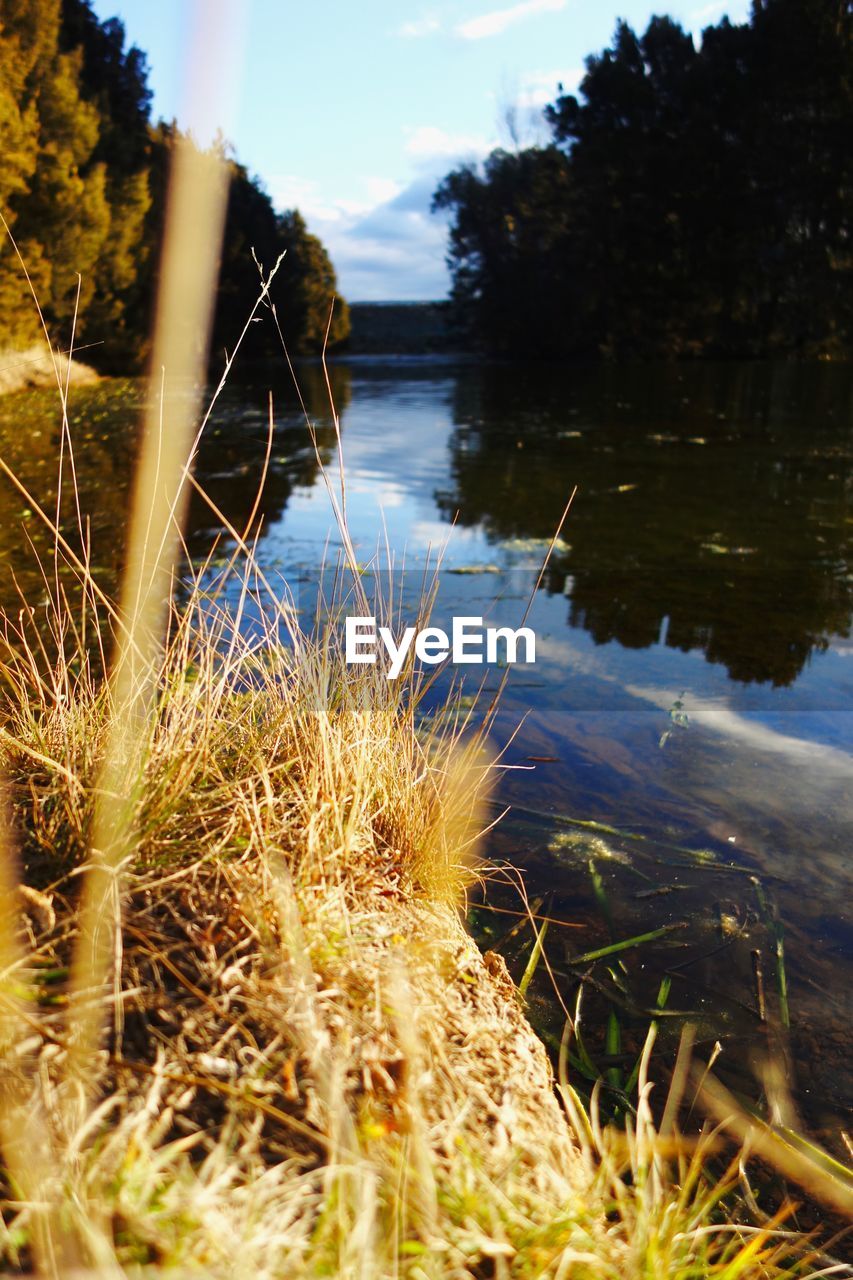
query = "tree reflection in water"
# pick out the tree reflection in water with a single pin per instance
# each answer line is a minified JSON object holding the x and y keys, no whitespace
{"x":713,"y":501}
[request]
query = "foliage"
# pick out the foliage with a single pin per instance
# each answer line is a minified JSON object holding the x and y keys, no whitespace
{"x":307,"y":288}
{"x":693,"y":200}
{"x":303,"y":291}
{"x":508,"y":248}
{"x":83,"y":177}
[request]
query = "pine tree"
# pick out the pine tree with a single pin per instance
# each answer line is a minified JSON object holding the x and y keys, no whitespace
{"x":83,"y":189}
{"x":309,"y":309}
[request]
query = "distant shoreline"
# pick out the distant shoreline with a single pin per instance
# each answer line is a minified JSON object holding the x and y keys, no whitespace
{"x":403,"y":328}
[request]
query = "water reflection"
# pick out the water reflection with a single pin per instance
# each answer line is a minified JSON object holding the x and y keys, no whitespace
{"x":713,"y":509}
{"x":104,"y":423}
{"x":231,"y":458}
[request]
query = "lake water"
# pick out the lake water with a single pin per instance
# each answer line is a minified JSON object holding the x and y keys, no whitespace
{"x":681,"y":757}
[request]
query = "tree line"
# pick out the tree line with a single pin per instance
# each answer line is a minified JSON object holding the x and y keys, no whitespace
{"x":693,"y":200}
{"x":83,"y":178}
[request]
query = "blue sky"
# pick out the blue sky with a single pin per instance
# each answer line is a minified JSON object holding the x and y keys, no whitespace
{"x":353,"y":110}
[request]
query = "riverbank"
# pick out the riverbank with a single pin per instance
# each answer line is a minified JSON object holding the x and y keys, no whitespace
{"x":36,"y":366}
{"x":300,"y":1063}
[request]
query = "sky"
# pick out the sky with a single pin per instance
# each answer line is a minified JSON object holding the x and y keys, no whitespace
{"x":352,"y":111}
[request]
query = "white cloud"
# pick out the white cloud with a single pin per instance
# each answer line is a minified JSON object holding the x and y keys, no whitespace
{"x":381,"y":189}
{"x":385,"y":246}
{"x":420,"y":27}
{"x":493,"y":23}
{"x":428,"y":142}
{"x":384,"y":241}
{"x":289,"y":191}
{"x":391,"y":252}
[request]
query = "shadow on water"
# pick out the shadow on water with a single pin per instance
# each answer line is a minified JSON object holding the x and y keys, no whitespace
{"x":713,"y":506}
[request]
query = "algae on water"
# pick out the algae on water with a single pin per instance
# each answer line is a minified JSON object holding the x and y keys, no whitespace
{"x":575,"y":848}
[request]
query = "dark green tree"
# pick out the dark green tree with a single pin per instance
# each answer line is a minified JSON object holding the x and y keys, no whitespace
{"x":19,"y":125}
{"x":632,"y":156}
{"x":249,"y":247}
{"x":704,"y":207}
{"x":306,"y":291}
{"x":514,"y":278}
{"x":304,"y":288}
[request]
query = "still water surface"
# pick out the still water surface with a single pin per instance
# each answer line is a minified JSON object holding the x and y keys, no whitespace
{"x":693,"y":689}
